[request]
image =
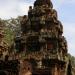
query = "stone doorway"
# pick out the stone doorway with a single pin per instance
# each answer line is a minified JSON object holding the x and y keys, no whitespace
{"x":3,"y":73}
{"x":42,"y":73}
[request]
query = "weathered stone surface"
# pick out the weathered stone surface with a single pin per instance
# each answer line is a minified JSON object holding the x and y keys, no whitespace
{"x":42,"y":40}
{"x":43,"y":2}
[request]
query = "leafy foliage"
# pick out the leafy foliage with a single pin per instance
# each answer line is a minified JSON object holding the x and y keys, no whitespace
{"x":11,"y":29}
{"x":72,"y":58}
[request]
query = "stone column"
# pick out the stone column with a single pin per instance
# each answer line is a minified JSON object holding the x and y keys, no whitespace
{"x":55,"y":70}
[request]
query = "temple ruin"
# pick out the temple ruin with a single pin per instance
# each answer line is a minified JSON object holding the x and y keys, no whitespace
{"x":41,"y":49}
{"x":42,"y":41}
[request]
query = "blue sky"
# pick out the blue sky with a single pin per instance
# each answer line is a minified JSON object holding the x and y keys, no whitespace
{"x":65,"y":9}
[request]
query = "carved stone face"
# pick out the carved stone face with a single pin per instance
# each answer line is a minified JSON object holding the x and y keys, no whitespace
{"x":51,"y":44}
{"x":33,"y":43}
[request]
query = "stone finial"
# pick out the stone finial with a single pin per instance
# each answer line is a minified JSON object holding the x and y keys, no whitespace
{"x":43,"y":2}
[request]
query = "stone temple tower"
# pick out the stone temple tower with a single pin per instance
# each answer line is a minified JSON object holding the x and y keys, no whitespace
{"x":42,"y":41}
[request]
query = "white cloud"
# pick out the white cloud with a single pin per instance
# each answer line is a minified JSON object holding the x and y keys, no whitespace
{"x":64,"y":1}
{"x":13,"y":8}
{"x":23,"y":8}
{"x":58,"y":3}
